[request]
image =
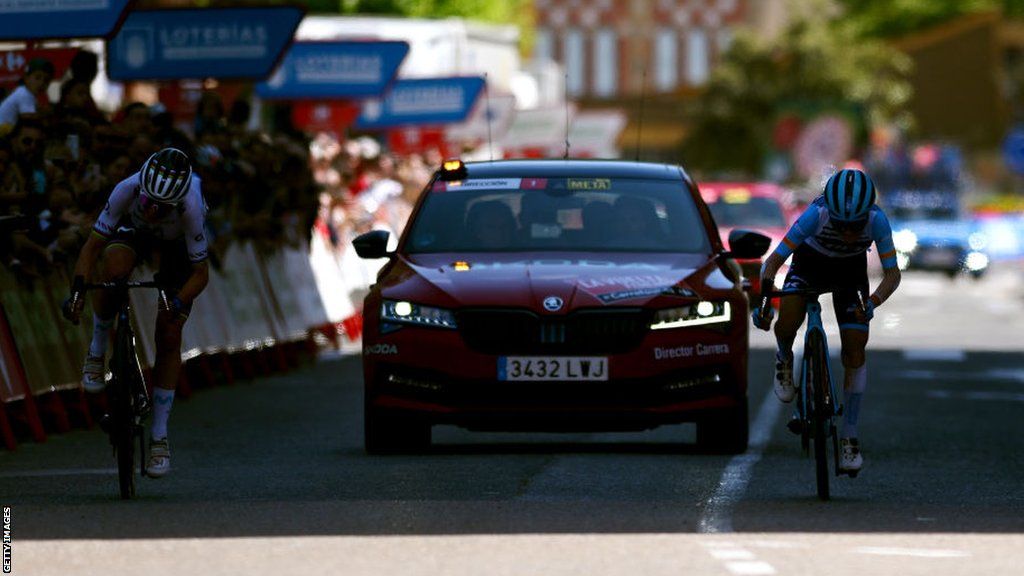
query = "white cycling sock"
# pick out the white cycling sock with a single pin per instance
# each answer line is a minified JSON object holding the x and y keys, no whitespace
{"x":162,"y":400}
{"x":100,"y":336}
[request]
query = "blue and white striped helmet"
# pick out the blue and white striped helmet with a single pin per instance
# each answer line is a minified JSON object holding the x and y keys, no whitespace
{"x":166,"y":176}
{"x":849,"y":195}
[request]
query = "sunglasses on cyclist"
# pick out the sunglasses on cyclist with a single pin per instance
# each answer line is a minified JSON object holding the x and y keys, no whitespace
{"x":850,"y":225}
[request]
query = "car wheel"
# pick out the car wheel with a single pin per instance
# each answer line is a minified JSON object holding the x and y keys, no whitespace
{"x":391,"y":432}
{"x":725,"y":431}
{"x":951,"y":274}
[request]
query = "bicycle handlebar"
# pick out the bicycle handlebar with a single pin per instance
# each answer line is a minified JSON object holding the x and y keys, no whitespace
{"x":121,"y":285}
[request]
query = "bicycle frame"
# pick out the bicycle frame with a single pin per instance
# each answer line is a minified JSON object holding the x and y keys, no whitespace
{"x":814,"y":324}
{"x":129,"y":398}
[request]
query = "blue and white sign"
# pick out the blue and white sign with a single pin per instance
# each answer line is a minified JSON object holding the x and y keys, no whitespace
{"x":1013,"y":150}
{"x":201,"y":43}
{"x":427,"y":101}
{"x":46,"y":19}
{"x":335,"y":70}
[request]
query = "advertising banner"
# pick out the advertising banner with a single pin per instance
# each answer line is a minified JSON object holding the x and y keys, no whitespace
{"x":51,"y":19}
{"x":13,"y":63}
{"x":419,"y":102}
{"x":335,"y":70}
{"x":239,"y":43}
{"x":315,"y":116}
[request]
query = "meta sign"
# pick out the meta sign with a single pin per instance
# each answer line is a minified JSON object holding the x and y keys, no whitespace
{"x":204,"y":43}
{"x":335,"y":70}
{"x":46,"y":19}
{"x":427,"y":101}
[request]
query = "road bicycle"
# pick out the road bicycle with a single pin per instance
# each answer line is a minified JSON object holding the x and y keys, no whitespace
{"x":818,"y":406}
{"x":127,"y":395}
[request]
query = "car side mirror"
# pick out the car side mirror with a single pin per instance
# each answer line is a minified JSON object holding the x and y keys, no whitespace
{"x":745,"y":244}
{"x":373,"y":244}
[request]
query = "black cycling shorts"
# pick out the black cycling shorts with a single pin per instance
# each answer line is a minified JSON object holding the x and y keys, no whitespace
{"x":844,"y":277}
{"x":171,"y":257}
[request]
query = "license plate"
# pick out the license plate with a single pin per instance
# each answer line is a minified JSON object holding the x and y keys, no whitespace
{"x":553,"y":368}
{"x":939,"y":257}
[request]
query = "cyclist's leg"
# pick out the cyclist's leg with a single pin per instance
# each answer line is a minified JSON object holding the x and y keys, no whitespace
{"x":117,"y":262}
{"x":174,"y":272}
{"x":854,"y":335}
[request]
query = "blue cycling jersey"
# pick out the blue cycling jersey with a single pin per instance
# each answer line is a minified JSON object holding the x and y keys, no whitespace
{"x":815,"y":228}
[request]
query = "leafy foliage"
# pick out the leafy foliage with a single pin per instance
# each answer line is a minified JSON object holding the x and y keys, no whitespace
{"x":813,"y":65}
{"x":891,"y":18}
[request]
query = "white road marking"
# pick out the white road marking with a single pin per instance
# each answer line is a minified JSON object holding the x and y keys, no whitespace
{"x":754,"y":568}
{"x":59,"y":472}
{"x":778,"y":544}
{"x":738,"y":560}
{"x":913,"y":552}
{"x":938,"y":354}
{"x":717,"y":516}
{"x":976,"y":395}
{"x":731,"y":554}
{"x":999,"y":374}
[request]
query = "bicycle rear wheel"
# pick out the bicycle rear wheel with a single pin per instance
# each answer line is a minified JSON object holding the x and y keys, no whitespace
{"x":123,"y":414}
{"x":818,"y":380}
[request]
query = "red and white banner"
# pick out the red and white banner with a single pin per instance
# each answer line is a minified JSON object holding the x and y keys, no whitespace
{"x":13,"y":63}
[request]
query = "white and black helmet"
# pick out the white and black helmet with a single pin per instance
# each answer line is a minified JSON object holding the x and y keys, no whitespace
{"x":166,"y":176}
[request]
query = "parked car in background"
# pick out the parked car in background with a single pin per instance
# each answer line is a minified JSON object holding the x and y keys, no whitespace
{"x":932,"y":231}
{"x":768,"y":208}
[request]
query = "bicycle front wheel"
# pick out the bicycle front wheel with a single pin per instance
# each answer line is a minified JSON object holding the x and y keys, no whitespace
{"x":817,"y":364}
{"x":124,"y":416}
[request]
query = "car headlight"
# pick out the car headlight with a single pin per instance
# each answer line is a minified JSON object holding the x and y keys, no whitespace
{"x":976,"y":261}
{"x":697,"y":314}
{"x":905,"y":240}
{"x":409,"y":313}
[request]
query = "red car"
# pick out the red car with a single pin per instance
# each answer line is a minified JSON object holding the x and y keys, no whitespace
{"x":562,"y":295}
{"x":761,"y":206}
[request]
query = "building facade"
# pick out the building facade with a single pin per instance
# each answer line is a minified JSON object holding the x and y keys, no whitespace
{"x":609,"y":47}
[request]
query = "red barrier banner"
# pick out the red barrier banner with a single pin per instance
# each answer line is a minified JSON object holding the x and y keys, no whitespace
{"x":12,"y":383}
{"x":13,"y":63}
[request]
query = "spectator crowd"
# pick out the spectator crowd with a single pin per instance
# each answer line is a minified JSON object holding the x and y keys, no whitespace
{"x":59,"y":161}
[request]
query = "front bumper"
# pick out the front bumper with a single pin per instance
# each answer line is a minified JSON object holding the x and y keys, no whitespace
{"x":672,"y":376}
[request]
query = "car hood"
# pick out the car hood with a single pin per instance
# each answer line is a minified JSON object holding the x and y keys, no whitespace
{"x":938,"y":231}
{"x":530,"y":280}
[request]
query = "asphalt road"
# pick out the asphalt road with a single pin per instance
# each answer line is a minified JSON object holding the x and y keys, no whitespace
{"x":270,"y":478}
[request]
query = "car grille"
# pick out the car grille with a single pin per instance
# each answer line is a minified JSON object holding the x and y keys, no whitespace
{"x":504,"y":332}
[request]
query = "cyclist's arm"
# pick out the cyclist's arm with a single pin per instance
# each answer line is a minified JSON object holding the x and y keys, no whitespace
{"x":796,"y":235}
{"x":881,"y":233}
{"x":104,"y":227}
{"x":196,"y":283}
{"x":195,"y":242}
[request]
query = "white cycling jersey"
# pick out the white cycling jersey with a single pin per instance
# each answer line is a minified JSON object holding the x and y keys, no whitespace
{"x":186,"y":221}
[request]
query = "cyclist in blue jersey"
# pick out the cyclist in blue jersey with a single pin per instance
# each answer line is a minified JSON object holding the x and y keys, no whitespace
{"x":829,"y":245}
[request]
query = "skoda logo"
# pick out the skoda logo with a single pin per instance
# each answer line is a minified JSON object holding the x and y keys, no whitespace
{"x":553,"y":303}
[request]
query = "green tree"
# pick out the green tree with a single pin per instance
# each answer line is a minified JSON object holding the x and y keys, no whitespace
{"x":814,"y":64}
{"x":517,"y":12}
{"x":892,"y":18}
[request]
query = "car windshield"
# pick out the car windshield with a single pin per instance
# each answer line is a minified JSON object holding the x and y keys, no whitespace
{"x":752,"y":212}
{"x":558,"y":214}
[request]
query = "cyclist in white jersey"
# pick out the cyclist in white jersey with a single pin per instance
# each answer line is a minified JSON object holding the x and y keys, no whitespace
{"x":829,"y":245}
{"x":156,"y":214}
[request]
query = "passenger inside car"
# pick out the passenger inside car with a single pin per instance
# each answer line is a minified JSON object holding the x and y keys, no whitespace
{"x":491,"y":224}
{"x":636,"y":224}
{"x":597,"y":218}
